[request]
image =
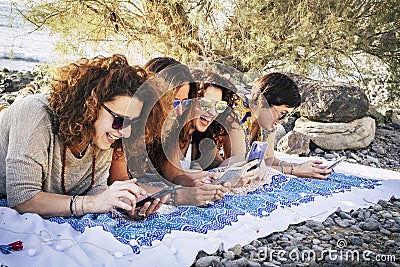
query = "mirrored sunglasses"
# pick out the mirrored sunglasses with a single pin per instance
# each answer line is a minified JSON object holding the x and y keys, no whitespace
{"x":118,"y":122}
{"x":184,"y":103}
{"x":207,"y":104}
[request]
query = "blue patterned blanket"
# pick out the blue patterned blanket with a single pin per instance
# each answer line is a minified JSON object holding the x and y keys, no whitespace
{"x":283,"y":192}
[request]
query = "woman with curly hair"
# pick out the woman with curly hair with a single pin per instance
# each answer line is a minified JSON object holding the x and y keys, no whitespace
{"x":56,"y":148}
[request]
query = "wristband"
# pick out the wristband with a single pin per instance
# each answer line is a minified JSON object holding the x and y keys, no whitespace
{"x":283,"y":169}
{"x":292,"y":171}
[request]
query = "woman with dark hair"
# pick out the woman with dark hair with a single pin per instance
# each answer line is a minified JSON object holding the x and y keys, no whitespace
{"x":56,"y":148}
{"x":272,"y":101}
{"x":210,"y":118}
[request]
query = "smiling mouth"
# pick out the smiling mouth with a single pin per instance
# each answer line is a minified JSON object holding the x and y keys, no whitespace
{"x":113,"y":137}
{"x":205,"y":118}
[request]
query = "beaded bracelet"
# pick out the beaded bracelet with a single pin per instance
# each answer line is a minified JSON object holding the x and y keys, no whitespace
{"x":292,"y":171}
{"x":283,"y":169}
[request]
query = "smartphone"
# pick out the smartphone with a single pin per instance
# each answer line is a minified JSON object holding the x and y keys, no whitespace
{"x":159,"y":194}
{"x":257,"y":152}
{"x":231,"y":175}
{"x":336,"y":162}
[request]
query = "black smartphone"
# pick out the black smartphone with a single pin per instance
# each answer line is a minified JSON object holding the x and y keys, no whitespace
{"x":159,"y":194}
{"x":231,"y":175}
{"x":336,"y":163}
{"x":257,"y":152}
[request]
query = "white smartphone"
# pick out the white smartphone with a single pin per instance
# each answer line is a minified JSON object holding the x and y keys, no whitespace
{"x":336,"y":163}
{"x":257,"y":152}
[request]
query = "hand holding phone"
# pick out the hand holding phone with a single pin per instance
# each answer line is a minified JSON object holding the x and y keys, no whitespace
{"x":232,"y":176}
{"x":257,"y":152}
{"x":160,"y":194}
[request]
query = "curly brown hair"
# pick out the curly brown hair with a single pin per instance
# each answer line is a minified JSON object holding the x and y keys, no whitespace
{"x":80,"y":88}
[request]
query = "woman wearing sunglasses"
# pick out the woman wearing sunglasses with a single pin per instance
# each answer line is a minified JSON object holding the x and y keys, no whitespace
{"x":57,"y":147}
{"x":272,"y":101}
{"x":208,"y":120}
{"x":176,"y":80}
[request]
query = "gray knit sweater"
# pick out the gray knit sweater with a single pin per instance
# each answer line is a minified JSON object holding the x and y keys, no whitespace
{"x":30,"y":155}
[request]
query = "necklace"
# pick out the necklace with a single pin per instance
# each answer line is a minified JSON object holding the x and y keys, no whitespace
{"x":64,"y":163}
{"x":81,"y":153}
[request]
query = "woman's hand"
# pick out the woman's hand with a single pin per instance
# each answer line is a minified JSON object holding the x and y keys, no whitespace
{"x":249,"y":175}
{"x":209,"y":178}
{"x":121,"y":194}
{"x":202,"y":195}
{"x":148,"y":208}
{"x":312,"y":169}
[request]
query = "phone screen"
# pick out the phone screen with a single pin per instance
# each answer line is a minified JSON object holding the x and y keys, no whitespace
{"x":257,"y":152}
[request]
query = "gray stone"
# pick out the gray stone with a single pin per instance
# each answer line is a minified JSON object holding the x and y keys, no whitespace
{"x":256,"y":243}
{"x":354,"y":156}
{"x":298,"y":236}
{"x":316,"y":241}
{"x":315,"y":226}
{"x":317,"y":248}
{"x":237,"y":249}
{"x":370,"y":225}
{"x":331,"y":102}
{"x":344,"y":215}
{"x":383,"y":203}
{"x":342,"y":223}
{"x":326,"y":238}
{"x":294,"y":143}
{"x":356,"y":241}
{"x":378,"y":149}
{"x":384,"y":231}
{"x":248,"y":248}
{"x":395,"y":228}
{"x":334,"y":136}
{"x":269,"y":264}
{"x":377,"y":207}
{"x":209,"y":261}
{"x":242,"y":262}
{"x":253,"y":264}
{"x":328,"y":222}
{"x":304,"y":229}
{"x":319,"y":151}
{"x":228,"y":255}
{"x":372,"y":159}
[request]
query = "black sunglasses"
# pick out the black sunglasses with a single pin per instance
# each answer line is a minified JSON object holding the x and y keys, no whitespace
{"x":118,"y":122}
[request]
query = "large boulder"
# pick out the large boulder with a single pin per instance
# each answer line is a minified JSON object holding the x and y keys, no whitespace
{"x":356,"y":134}
{"x":330,"y":102}
{"x":294,"y":143}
